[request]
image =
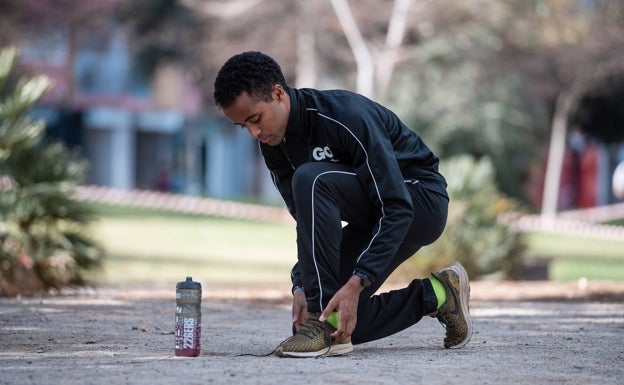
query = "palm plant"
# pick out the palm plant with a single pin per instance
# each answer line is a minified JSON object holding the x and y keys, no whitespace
{"x":42,"y":239}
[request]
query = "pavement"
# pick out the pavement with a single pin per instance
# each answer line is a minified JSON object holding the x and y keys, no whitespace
{"x":524,"y":333}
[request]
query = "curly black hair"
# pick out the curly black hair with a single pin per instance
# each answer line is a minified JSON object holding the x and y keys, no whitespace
{"x":252,"y":72}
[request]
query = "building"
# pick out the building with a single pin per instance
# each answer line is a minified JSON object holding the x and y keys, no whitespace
{"x":138,"y":132}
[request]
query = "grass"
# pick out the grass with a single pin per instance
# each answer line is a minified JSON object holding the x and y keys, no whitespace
{"x":619,"y":222}
{"x":575,"y":268}
{"x":146,"y":246}
{"x":152,"y":246}
{"x":563,"y":246}
{"x":572,"y":258}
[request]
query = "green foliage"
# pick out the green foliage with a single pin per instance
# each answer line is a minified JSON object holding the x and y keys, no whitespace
{"x":167,"y":31}
{"x":42,"y":240}
{"x":466,"y":95}
{"x":474,"y":234}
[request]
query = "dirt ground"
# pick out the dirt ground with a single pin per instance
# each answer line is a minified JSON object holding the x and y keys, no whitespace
{"x":530,"y":332}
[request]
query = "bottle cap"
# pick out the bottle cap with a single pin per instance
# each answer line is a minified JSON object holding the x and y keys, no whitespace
{"x":189,"y":284}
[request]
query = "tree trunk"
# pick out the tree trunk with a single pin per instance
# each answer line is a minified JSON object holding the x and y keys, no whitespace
{"x":361,"y":52}
{"x":555,"y":154}
{"x":394,"y":40}
{"x":306,"y":50}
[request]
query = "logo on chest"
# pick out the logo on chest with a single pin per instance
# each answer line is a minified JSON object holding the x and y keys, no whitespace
{"x":322,"y":153}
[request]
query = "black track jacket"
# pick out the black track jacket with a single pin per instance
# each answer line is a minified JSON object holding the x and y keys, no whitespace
{"x":345,"y":127}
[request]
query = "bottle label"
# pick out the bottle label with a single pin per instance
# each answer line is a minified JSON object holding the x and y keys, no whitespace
{"x":188,"y":334}
{"x":189,"y":294}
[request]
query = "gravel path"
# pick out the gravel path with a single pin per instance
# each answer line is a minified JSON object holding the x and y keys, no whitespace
{"x":124,"y":335}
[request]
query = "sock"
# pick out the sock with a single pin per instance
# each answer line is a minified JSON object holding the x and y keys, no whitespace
{"x":439,"y":290}
{"x":333,"y":319}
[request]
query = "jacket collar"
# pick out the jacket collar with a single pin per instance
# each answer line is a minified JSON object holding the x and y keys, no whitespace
{"x":295,"y":127}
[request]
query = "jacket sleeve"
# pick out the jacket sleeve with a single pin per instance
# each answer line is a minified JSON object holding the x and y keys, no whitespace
{"x":295,"y":276}
{"x":364,"y":136}
{"x":281,"y":173}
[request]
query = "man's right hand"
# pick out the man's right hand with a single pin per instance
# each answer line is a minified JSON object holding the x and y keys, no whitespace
{"x":299,"y":309}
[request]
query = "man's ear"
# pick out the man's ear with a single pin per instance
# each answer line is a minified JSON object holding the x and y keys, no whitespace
{"x":278,"y":92}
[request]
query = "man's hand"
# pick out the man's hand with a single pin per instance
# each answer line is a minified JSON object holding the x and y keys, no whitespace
{"x":299,"y":309}
{"x":345,"y":301}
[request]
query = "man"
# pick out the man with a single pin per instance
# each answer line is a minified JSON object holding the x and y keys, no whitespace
{"x":336,"y":156}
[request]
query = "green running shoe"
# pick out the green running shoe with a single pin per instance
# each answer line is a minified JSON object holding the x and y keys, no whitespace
{"x":455,"y":312}
{"x":313,"y":340}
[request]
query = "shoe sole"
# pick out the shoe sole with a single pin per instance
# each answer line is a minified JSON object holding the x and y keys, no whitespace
{"x":334,"y":350}
{"x":464,"y":298}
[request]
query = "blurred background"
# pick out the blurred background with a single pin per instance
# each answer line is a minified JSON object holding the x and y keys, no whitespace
{"x":523,"y":101}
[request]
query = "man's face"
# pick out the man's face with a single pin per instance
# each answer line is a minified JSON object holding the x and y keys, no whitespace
{"x":265,"y":121}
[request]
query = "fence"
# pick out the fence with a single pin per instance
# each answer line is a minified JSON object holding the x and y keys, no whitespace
{"x":585,"y":223}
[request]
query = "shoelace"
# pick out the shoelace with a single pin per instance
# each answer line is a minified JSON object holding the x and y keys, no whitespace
{"x":330,"y":343}
{"x":326,"y":354}
{"x":311,"y":328}
{"x":442,"y":320}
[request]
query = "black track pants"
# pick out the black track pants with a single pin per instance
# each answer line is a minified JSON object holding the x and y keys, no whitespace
{"x":326,"y":194}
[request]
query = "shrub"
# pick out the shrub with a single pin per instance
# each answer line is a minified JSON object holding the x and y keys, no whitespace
{"x":474,"y":235}
{"x":42,"y":239}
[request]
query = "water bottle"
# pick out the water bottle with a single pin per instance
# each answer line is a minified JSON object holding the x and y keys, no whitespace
{"x":188,"y":318}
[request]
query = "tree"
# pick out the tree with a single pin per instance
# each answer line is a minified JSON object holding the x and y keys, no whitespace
{"x":164,"y":30}
{"x":465,"y":95}
{"x":497,"y":83}
{"x":596,"y":54}
{"x":374,"y":69}
{"x":42,"y":238}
